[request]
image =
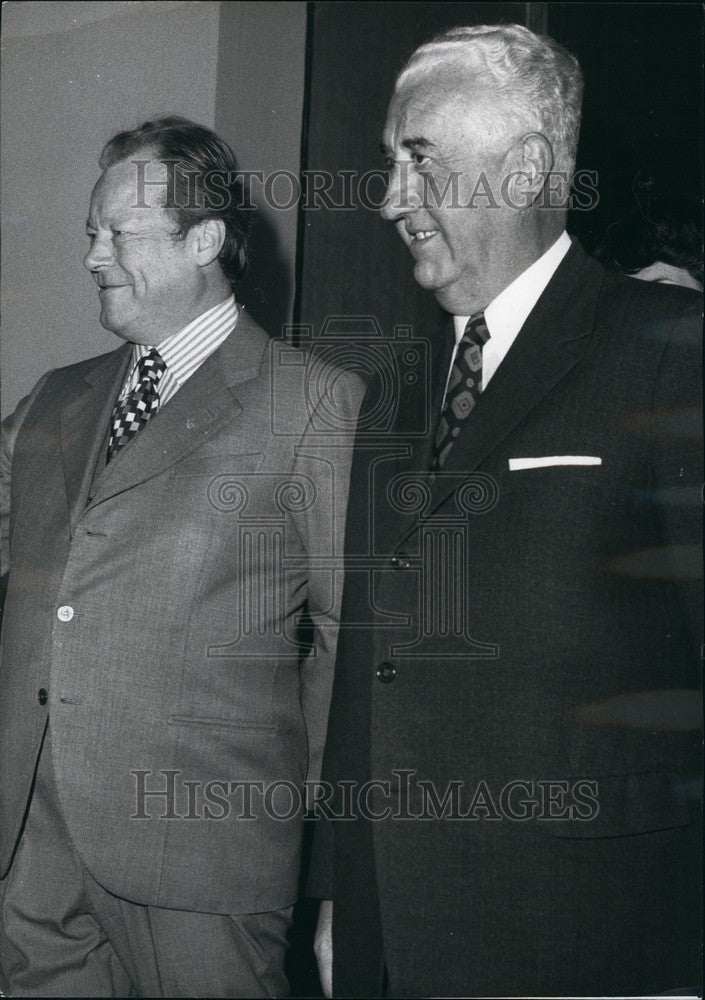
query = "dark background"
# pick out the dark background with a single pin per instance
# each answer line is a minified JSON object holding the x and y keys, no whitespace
{"x":643,"y":103}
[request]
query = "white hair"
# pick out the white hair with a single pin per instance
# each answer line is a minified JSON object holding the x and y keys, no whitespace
{"x":538,"y":82}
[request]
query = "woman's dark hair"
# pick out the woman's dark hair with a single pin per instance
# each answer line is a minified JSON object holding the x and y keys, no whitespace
{"x":664,"y":223}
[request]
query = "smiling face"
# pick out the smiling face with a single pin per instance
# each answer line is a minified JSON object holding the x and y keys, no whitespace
{"x":444,"y":190}
{"x":150,"y":284}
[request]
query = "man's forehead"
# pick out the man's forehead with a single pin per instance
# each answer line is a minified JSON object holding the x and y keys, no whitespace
{"x":436,"y":109}
{"x":138,"y":182}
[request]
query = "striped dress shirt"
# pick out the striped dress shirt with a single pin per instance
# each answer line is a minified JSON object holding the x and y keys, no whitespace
{"x":185,"y":351}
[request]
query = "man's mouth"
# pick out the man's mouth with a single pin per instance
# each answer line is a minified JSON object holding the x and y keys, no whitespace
{"x":420,"y":238}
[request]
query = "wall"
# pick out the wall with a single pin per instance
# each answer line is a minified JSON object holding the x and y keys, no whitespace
{"x":259,"y":110}
{"x":73,"y":73}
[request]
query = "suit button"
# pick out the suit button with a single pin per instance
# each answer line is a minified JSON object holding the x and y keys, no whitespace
{"x":65,"y":613}
{"x":42,"y":696}
{"x":386,"y":672}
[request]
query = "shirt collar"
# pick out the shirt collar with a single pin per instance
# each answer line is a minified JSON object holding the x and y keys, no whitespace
{"x":186,"y":350}
{"x":507,"y":313}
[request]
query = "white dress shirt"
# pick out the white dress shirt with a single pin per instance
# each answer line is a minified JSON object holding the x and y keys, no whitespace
{"x":507,"y":313}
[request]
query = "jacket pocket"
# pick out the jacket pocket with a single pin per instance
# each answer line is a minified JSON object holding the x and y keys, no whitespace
{"x":240,"y":724}
{"x":630,"y":804}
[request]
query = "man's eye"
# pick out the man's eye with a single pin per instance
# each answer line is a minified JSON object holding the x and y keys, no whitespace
{"x":420,"y":159}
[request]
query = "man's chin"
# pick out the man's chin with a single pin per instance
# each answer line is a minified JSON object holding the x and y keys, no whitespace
{"x":450,"y":294}
{"x":113,"y":325}
{"x":427,"y":277}
{"x":109,"y":323}
{"x":430,"y":280}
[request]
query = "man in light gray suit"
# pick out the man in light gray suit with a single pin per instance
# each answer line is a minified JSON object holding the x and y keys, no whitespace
{"x":170,"y":511}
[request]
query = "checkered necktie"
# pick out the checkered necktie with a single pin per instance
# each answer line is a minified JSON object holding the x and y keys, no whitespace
{"x":464,"y":386}
{"x":139,"y":404}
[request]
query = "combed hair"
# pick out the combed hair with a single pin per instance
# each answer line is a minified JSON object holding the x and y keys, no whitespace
{"x":198,"y":154}
{"x":540,"y":82}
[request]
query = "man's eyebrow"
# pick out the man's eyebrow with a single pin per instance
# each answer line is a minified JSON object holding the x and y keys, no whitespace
{"x":414,"y":142}
{"x":418,"y":141}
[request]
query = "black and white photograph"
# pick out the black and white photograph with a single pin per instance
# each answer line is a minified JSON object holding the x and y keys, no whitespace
{"x":351,"y":485}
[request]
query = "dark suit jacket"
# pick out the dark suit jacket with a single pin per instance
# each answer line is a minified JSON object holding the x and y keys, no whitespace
{"x":185,"y":566}
{"x":535,"y":625}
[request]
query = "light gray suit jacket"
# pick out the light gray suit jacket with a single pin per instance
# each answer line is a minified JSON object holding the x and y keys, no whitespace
{"x":157,"y":602}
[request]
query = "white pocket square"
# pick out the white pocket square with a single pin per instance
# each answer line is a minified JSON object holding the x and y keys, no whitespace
{"x":516,"y":464}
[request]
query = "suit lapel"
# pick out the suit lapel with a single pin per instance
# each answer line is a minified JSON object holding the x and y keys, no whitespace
{"x":441,"y":354}
{"x":84,"y":421}
{"x":419,"y":409}
{"x":197,"y":411}
{"x":547,"y":348}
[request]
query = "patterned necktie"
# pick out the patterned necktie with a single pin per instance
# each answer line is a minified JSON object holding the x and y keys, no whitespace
{"x":139,"y":404}
{"x":464,"y":386}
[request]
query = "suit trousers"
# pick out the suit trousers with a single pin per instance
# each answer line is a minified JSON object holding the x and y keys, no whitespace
{"x":63,"y":935}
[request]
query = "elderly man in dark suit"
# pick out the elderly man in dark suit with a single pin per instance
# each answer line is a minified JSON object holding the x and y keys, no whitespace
{"x":169,"y":511}
{"x":515,"y":706}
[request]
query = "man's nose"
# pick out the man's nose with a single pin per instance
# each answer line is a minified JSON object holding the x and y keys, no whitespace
{"x":100,"y":253}
{"x":403,"y":193}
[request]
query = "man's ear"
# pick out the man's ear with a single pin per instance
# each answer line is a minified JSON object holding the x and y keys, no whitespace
{"x":208,"y":237}
{"x":533,"y":159}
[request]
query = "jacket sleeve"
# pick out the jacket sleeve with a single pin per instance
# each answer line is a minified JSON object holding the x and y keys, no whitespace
{"x":676,"y":467}
{"x":9,"y":430}
{"x":323,"y":458}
